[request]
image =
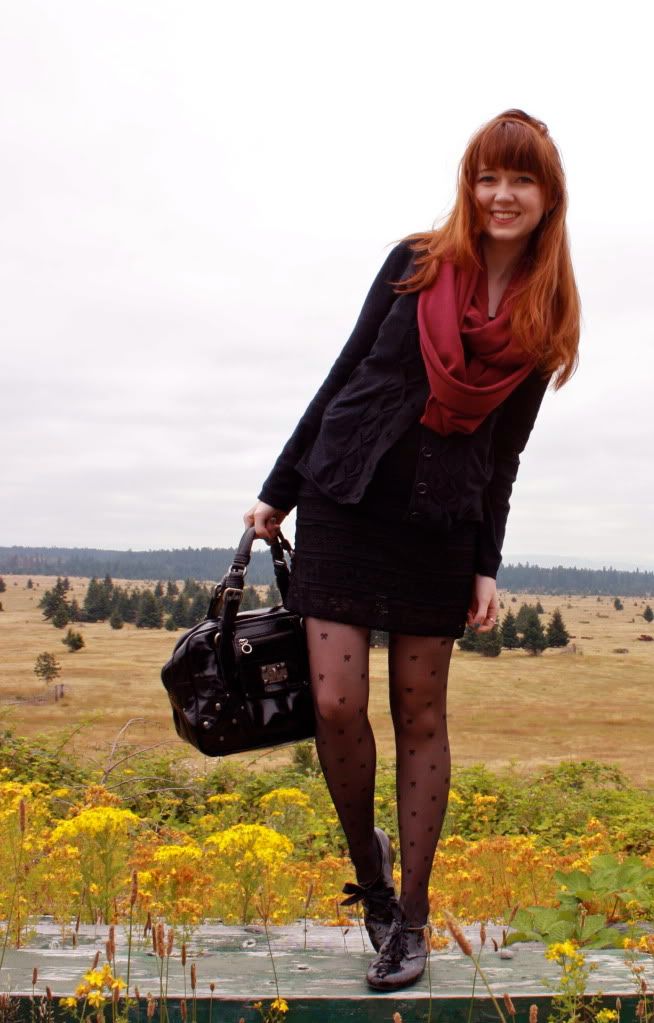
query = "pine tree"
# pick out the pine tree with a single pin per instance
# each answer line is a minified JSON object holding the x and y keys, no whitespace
{"x":539,"y":608}
{"x":250,"y":599}
{"x":3,"y":585}
{"x":469,"y":639}
{"x":97,"y":601}
{"x":525,"y":612}
{"x":29,"y":585}
{"x":169,"y":624}
{"x":47,"y":667}
{"x":61,"y":618}
{"x":159,"y":590}
{"x":648,"y":614}
{"x":508,"y":631}
{"x":272,"y":596}
{"x":489,"y":644}
{"x":198,"y":607}
{"x":149,"y":614}
{"x":617,"y":604}
{"x":73,"y":640}
{"x":116,"y":621}
{"x":172,"y":589}
{"x":556,"y":633}
{"x":534,"y":635}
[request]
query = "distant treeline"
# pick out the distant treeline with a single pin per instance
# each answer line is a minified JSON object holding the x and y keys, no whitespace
{"x":210,"y":563}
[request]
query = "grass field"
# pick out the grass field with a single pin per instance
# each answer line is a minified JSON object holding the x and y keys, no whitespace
{"x":585,"y":703}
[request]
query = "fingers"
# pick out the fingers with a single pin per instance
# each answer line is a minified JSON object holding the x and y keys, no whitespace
{"x":265,"y":519}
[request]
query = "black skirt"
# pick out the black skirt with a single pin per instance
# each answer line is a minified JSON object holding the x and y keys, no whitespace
{"x":362,"y":565}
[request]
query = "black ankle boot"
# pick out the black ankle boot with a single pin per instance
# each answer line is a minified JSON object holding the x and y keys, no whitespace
{"x":402,"y":957}
{"x":380,"y":904}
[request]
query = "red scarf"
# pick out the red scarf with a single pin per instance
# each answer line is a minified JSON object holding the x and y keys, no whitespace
{"x":472,"y":362}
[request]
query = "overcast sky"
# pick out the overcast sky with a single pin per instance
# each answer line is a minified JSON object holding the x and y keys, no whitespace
{"x":195,"y":198}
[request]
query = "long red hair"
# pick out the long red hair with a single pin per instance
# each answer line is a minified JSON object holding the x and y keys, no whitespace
{"x":546,"y":310}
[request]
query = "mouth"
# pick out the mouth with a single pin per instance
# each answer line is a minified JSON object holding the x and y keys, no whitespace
{"x":504,"y":216}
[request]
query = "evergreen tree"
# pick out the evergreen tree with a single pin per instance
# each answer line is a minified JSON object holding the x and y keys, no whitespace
{"x":29,"y":585}
{"x":539,"y":608}
{"x":97,"y":601}
{"x":617,"y":604}
{"x":149,"y":615}
{"x":181,"y":612}
{"x":1,"y":607}
{"x":489,"y":644}
{"x":172,"y":589}
{"x":556,"y":633}
{"x":159,"y":590}
{"x":170,"y":624}
{"x":61,"y":618}
{"x":469,"y":639}
{"x":47,"y":667}
{"x":3,"y":585}
{"x":250,"y":599}
{"x":648,"y":614}
{"x":198,"y":607}
{"x":75,"y":612}
{"x":525,"y":613}
{"x":272,"y":596}
{"x":377,"y":637}
{"x":534,"y":635}
{"x":65,"y":585}
{"x":508,"y":631}
{"x":116,"y":621}
{"x":73,"y":640}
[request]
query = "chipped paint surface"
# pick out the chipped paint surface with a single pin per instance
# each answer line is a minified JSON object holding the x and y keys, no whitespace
{"x":333,"y":965}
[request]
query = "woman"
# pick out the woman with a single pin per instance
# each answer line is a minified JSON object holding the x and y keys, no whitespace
{"x":401,"y":469}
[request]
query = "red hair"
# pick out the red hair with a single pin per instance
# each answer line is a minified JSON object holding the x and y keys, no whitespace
{"x":546,"y":311}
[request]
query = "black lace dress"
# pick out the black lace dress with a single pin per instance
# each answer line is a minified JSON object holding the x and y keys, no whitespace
{"x":364,"y":565}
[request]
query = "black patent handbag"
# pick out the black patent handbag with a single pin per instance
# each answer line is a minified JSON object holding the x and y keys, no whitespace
{"x":240,"y":681}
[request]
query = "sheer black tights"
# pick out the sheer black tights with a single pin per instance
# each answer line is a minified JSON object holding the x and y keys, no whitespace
{"x":418,"y":670}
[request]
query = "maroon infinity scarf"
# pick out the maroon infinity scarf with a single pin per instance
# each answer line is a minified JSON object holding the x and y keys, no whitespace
{"x":472,"y":362}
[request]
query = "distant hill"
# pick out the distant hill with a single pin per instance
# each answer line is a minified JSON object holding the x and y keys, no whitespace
{"x":210,"y":563}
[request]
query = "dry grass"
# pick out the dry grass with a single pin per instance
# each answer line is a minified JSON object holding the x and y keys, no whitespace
{"x":536,"y":710}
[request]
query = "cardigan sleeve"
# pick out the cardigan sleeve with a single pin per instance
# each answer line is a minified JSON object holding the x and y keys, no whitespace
{"x":280,"y":488}
{"x":510,"y":435}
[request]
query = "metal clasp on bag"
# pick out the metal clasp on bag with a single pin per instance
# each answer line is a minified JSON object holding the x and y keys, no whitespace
{"x":245,"y":645}
{"x":272,"y":673}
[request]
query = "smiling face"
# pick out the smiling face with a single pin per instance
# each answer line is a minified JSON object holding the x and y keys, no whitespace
{"x":512,"y":203}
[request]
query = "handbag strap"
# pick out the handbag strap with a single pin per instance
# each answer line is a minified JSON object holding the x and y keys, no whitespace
{"x":229,"y":591}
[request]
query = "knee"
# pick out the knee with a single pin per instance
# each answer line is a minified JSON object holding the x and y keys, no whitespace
{"x":420,"y":724}
{"x":337,"y":709}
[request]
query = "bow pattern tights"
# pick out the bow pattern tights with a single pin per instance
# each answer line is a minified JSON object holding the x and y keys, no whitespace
{"x":418,"y":671}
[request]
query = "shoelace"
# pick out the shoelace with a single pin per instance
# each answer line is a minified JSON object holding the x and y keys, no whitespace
{"x":396,"y":946}
{"x":376,"y":898}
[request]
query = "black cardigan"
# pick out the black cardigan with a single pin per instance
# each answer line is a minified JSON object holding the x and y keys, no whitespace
{"x":374,"y":391}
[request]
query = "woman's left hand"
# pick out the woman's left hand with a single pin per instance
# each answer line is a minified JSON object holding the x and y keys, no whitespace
{"x":484,"y":607}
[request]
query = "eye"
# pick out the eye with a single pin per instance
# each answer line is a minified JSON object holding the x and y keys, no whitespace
{"x":527,"y":178}
{"x":486,"y":177}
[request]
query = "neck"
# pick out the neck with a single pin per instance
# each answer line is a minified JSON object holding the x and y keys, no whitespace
{"x":501,"y":258}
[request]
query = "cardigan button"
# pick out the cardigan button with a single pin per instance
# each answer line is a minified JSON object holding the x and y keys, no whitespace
{"x":422,"y":488}
{"x":426,"y":452}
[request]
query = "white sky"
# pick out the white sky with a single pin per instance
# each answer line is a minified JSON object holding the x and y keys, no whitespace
{"x":195,"y":198}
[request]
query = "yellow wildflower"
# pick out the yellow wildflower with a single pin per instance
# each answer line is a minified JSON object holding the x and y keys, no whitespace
{"x":560,"y":949}
{"x":606,"y":1016}
{"x":68,"y":1003}
{"x":96,"y":999}
{"x":280,"y":1005}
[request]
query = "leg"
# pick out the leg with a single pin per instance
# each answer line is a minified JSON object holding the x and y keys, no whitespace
{"x":418,"y":671}
{"x":338,"y":657}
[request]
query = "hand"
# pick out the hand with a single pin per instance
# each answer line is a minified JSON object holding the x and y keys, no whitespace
{"x":265,"y":519}
{"x":484,"y":606}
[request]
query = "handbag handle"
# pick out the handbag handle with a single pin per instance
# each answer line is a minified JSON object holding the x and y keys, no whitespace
{"x":229,"y":590}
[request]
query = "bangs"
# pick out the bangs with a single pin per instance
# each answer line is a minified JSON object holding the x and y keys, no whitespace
{"x":511,"y":145}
